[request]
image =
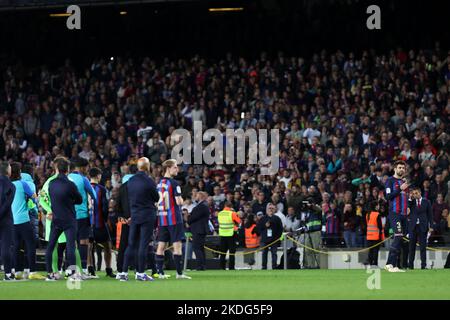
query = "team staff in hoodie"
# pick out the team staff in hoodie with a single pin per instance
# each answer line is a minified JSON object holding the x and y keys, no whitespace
{"x":65,"y":196}
{"x":7,"y":192}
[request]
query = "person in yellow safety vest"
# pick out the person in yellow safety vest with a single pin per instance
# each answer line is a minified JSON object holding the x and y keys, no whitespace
{"x":375,"y":232}
{"x":228,"y":225}
{"x":252,"y":240}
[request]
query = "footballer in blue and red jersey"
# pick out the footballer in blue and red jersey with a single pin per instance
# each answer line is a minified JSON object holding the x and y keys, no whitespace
{"x":99,"y":215}
{"x":170,"y":219}
{"x":398,"y":199}
{"x":169,"y":213}
{"x":98,"y":219}
{"x":396,"y":192}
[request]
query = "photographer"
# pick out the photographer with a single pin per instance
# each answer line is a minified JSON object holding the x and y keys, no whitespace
{"x":292,"y":221}
{"x":311,"y":219}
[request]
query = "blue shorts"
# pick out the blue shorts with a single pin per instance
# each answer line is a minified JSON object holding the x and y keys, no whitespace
{"x":171,"y":234}
{"x":83,"y":229}
{"x":398,"y":223}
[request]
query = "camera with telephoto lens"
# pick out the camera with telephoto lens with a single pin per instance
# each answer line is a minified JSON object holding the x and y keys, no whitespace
{"x":302,"y":229}
{"x":305,"y":205}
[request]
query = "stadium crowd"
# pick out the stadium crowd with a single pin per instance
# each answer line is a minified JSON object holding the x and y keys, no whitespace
{"x":344,"y":118}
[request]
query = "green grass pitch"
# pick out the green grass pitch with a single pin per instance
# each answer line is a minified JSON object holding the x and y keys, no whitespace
{"x":246,"y":285}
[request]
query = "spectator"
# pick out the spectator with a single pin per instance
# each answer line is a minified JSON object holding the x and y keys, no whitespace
{"x":350,"y":226}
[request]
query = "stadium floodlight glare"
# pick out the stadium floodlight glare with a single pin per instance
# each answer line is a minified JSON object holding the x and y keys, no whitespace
{"x":122,"y":13}
{"x":59,"y":15}
{"x":225,"y":9}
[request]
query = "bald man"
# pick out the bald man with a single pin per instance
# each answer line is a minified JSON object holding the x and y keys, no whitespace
{"x":142,"y":196}
{"x":198,"y":222}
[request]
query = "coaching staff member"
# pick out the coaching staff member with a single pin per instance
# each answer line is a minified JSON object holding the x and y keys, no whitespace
{"x":65,"y":196}
{"x":419,"y":223}
{"x":123,"y":220}
{"x":142,"y":195}
{"x":198,"y":222}
{"x":7,"y":192}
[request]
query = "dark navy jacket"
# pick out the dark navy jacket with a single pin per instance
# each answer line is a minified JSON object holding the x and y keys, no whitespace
{"x":198,"y":221}
{"x":64,"y":196}
{"x":424,"y":215}
{"x":142,"y":195}
{"x":7,"y":192}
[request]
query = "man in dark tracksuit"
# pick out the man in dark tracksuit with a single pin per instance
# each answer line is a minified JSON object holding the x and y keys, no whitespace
{"x":142,"y":196}
{"x":7,"y":192}
{"x":198,"y":222}
{"x":123,"y":215}
{"x":65,"y":196}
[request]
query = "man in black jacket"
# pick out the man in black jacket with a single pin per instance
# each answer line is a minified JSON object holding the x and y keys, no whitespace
{"x":198,"y":222}
{"x":123,"y":219}
{"x":7,"y":192}
{"x":420,"y":219}
{"x":142,"y":196}
{"x":65,"y":196}
{"x":270,"y":228}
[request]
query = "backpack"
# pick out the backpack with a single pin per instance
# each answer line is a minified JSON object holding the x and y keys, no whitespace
{"x":293,"y":259}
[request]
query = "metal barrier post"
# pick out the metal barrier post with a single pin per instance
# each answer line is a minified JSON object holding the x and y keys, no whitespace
{"x":186,"y":250}
{"x":285,"y":251}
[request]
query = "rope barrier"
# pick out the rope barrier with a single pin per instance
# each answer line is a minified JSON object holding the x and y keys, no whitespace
{"x":428,"y":248}
{"x":244,"y":253}
{"x":331,"y":252}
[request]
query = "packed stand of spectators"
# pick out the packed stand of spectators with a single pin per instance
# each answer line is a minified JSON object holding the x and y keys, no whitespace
{"x":343,"y":119}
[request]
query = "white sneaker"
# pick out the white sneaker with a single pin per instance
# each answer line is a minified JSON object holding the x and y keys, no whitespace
{"x":388,"y":267}
{"x":163,"y":276}
{"x":396,"y":269}
{"x":183,"y":276}
{"x":118,"y":276}
{"x":84,"y":276}
{"x":58,"y":276}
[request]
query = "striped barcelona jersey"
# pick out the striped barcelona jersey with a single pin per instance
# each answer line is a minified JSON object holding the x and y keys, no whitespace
{"x":398,"y":199}
{"x":168,"y":211}
{"x":99,"y":211}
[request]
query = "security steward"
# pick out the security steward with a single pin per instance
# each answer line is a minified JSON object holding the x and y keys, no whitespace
{"x":198,"y":223}
{"x":252,"y":240}
{"x":375,"y":232}
{"x":228,"y":226}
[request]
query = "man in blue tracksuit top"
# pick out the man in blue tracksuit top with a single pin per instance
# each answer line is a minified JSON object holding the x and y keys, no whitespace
{"x":82,"y":210}
{"x":23,"y":229}
{"x":396,"y":192}
{"x":142,"y":196}
{"x":65,"y":196}
{"x":27,"y":176}
{"x":7,"y":192}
